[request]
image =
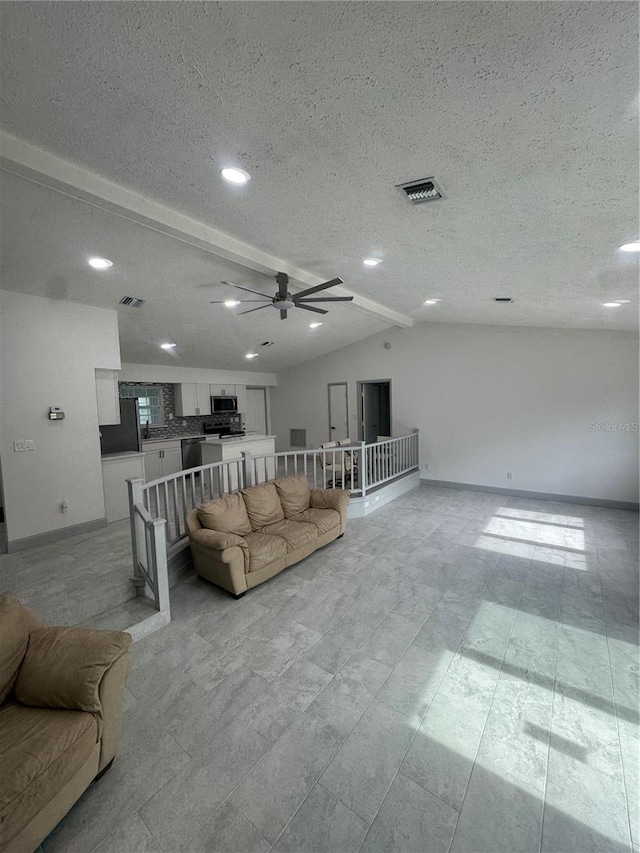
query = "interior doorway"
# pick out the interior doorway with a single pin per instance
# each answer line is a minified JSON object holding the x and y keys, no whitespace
{"x":255,"y":418}
{"x":338,"y":411}
{"x":374,"y":417}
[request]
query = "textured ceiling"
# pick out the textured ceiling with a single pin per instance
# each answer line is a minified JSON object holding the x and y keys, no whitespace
{"x":525,"y":112}
{"x":177,"y":281}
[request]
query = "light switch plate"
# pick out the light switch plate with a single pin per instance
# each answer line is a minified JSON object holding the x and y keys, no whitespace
{"x":23,"y":444}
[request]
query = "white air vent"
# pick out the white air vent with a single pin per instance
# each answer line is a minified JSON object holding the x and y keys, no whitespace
{"x":426,"y":189}
{"x":502,"y":300}
{"x":131,"y":301}
{"x":297,"y":438}
{"x":266,"y":344}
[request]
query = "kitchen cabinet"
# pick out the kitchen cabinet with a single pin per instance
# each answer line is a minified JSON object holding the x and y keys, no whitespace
{"x":161,"y":458}
{"x":241,"y":394}
{"x":222,"y":390}
{"x":192,"y":398}
{"x":107,"y":396}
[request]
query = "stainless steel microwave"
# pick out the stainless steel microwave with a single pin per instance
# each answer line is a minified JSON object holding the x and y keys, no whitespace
{"x":224,"y":404}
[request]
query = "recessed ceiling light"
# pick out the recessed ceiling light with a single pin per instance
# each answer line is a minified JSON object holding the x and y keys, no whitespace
{"x":251,"y":355}
{"x":372,"y":262}
{"x":631,"y":247}
{"x":432,"y":301}
{"x":611,"y":304}
{"x":314,"y":325}
{"x":235,"y":175}
{"x":168,"y":346}
{"x":100,"y":263}
{"x":623,"y":301}
{"x":231,"y":303}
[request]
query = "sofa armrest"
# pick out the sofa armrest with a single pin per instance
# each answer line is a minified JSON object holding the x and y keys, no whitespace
{"x":64,"y":667}
{"x":222,"y":542}
{"x":337,"y":499}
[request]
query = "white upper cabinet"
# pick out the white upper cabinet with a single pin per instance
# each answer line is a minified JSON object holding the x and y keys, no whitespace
{"x":223,"y":390}
{"x":241,"y":394}
{"x":192,"y":398}
{"x":107,"y":396}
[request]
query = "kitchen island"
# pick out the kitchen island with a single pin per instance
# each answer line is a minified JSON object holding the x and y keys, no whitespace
{"x":226,"y":449}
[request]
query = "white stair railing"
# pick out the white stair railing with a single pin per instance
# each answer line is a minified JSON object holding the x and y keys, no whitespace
{"x":158,"y":509}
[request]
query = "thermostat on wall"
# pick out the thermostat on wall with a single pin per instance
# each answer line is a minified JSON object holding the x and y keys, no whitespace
{"x":55,"y":413}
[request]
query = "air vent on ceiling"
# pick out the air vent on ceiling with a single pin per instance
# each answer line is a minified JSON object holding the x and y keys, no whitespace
{"x":503,"y":300}
{"x":266,"y":344}
{"x":131,"y":301}
{"x":426,"y":189}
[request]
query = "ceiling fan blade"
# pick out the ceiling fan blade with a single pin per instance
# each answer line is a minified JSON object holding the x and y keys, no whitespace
{"x":311,"y":308}
{"x":240,"y":313}
{"x":318,"y":287}
{"x":242,"y":301}
{"x":248,"y":289}
{"x":283,"y":315}
{"x":323,"y":299}
{"x":283,"y":283}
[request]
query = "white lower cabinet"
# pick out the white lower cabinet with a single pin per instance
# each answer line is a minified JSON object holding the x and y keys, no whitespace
{"x":161,"y":458}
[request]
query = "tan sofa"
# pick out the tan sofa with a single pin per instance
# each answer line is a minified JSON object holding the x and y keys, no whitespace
{"x":243,"y":539}
{"x":61,"y":692}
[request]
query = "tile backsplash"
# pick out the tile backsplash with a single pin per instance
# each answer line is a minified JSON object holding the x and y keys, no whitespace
{"x":172,"y":426}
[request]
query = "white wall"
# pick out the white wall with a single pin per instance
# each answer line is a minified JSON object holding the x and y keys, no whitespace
{"x":175,"y":374}
{"x":48,"y":354}
{"x":491,"y":399}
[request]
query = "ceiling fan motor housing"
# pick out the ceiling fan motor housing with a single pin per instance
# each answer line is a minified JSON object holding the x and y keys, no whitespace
{"x":284,"y":303}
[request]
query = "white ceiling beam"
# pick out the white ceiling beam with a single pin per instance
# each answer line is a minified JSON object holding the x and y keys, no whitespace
{"x":21,"y":158}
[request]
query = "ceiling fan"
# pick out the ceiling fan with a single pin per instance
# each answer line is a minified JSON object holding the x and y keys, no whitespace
{"x":284,"y":301}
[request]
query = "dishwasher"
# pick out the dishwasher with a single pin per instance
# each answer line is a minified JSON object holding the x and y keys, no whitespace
{"x":191,"y":456}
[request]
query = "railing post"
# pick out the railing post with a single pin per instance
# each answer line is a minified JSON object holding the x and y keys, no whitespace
{"x":246,"y":469}
{"x":138,"y":544}
{"x":161,"y":570}
{"x":363,"y":467}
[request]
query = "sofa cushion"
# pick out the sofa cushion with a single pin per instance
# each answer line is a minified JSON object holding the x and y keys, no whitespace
{"x":325,"y":520}
{"x":16,"y":623}
{"x":40,"y":751}
{"x":263,"y":505}
{"x":227,"y":514}
{"x":296,"y":534}
{"x":294,"y":493}
{"x":63,"y":667}
{"x":264,"y":550}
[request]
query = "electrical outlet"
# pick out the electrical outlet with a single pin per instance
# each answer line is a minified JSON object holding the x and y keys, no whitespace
{"x":509,"y":475}
{"x":64,"y":506}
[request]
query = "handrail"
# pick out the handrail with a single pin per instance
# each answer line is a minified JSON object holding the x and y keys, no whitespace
{"x":358,"y":467}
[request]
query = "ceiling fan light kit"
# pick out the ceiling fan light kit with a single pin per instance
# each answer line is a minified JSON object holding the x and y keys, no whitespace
{"x":285,"y":301}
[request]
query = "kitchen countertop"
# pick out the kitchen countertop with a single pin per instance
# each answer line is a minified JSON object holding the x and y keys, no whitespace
{"x":242,"y":439}
{"x":126,"y":454}
{"x":174,"y":437}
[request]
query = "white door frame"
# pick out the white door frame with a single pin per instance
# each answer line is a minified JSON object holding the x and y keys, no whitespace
{"x":331,"y":385}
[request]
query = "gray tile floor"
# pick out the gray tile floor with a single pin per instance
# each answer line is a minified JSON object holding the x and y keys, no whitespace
{"x":459,"y":673}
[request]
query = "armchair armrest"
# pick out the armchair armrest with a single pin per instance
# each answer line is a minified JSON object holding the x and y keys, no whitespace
{"x":64,"y":667}
{"x":337,"y":499}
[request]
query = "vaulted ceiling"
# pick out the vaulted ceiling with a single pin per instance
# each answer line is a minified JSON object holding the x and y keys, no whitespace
{"x":526,"y":113}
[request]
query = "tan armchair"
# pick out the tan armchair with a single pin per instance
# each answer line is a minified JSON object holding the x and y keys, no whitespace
{"x":61,"y":692}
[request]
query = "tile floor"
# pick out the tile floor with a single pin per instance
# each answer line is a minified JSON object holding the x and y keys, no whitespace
{"x":459,"y":673}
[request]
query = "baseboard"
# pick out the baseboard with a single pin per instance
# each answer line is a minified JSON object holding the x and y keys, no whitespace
{"x":57,"y":535}
{"x":539,"y":496}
